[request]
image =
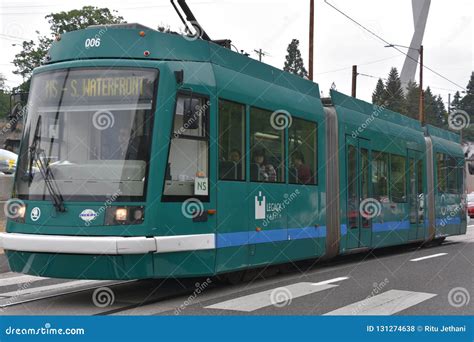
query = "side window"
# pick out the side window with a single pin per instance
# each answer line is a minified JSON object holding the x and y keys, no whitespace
{"x":302,"y":141}
{"x":267,"y":148}
{"x":380,"y":175}
{"x":460,"y":164}
{"x":188,"y":155}
{"x":441,"y":170}
{"x":398,"y":178}
{"x":452,"y":173}
{"x":231,"y":140}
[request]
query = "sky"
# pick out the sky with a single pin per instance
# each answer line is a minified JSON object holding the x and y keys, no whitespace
{"x":272,"y":24}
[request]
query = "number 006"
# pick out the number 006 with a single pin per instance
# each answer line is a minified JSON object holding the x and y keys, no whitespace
{"x":92,"y":42}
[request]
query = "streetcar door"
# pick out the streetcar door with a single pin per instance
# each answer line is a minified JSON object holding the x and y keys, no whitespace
{"x":359,"y":201}
{"x":415,"y":195}
{"x":231,"y":187}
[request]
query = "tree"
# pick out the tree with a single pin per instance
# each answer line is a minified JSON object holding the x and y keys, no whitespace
{"x":33,"y":52}
{"x":294,"y":63}
{"x":4,"y":97}
{"x":412,"y":101}
{"x":467,"y":104}
{"x":435,"y":112}
{"x":378,"y":94}
{"x":393,"y":95}
{"x":81,"y":18}
{"x":456,"y":100}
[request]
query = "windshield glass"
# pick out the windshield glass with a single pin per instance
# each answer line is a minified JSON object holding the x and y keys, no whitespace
{"x":91,"y":128}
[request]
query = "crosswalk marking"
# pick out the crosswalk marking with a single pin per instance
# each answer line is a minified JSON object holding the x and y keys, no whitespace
{"x":331,"y":281}
{"x":56,"y":287}
{"x":20,"y":279}
{"x":387,"y":303}
{"x":429,"y":257}
{"x":278,"y":296}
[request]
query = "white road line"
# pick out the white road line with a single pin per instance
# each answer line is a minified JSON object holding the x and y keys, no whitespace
{"x":262,"y":299}
{"x":56,"y":287}
{"x":21,"y":279}
{"x":384,"y":304}
{"x":429,"y":257}
{"x":331,"y":281}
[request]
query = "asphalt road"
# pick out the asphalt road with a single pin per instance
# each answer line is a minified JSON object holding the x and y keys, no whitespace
{"x":410,"y":280}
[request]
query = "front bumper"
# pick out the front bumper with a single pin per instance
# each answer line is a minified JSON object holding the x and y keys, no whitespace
{"x":105,"y":245}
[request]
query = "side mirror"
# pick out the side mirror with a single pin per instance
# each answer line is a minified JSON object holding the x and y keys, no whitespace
{"x":191,"y":113}
{"x":470,"y":167}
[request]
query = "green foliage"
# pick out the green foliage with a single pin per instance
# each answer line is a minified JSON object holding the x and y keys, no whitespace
{"x":33,"y":52}
{"x":467,"y":104}
{"x":293,"y":61}
{"x":393,"y":95}
{"x":412,"y":101}
{"x":456,"y":100}
{"x":4,"y":98}
{"x":81,"y":18}
{"x":379,"y":93}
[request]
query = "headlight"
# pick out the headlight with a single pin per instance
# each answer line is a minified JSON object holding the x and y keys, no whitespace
{"x":121,"y":214}
{"x":124,"y":215}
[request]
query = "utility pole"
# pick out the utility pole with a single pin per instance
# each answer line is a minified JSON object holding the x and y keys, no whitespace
{"x":260,"y":53}
{"x":354,"y":80}
{"x":422,"y":100}
{"x":449,"y":103}
{"x":311,"y":38}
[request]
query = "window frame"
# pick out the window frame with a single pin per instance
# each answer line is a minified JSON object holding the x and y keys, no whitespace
{"x":375,"y":155}
{"x":244,"y":152}
{"x":285,"y":152}
{"x":405,"y":184}
{"x":316,"y":154}
{"x":205,"y":138}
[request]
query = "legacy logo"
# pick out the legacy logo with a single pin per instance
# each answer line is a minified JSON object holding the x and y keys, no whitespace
{"x":260,"y":202}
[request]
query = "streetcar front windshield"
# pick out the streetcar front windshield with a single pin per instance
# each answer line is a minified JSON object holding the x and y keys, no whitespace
{"x":88,"y":131}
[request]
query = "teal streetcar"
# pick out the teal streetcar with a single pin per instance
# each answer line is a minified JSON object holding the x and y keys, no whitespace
{"x":149,"y":154}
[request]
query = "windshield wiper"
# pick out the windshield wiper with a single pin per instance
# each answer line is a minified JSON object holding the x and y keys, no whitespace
{"x":38,"y":155}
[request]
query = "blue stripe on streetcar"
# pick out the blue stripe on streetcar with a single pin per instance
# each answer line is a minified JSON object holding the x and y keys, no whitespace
{"x":276,"y":235}
{"x":265,"y":236}
{"x":390,"y":226}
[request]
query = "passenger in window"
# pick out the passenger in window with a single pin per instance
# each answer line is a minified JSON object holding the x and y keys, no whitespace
{"x":304,"y":175}
{"x":129,"y":146}
{"x":235,"y":156}
{"x":261,"y":170}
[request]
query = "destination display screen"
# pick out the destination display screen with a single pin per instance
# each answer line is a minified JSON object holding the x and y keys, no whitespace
{"x":81,"y":86}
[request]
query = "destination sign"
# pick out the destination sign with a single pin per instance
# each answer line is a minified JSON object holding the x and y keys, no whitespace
{"x":96,"y":86}
{"x":82,"y":85}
